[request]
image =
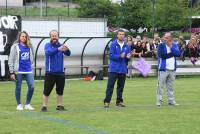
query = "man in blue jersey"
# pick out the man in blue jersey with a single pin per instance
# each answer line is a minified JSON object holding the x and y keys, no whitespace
{"x":120,"y":53}
{"x":167,"y":53}
{"x":54,"y":65}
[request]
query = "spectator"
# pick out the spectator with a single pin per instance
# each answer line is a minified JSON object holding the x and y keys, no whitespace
{"x":138,"y":38}
{"x":138,"y":49}
{"x":144,"y":50}
{"x":152,"y":48}
{"x":130,"y":42}
{"x":198,"y":44}
{"x":193,"y":50}
{"x":182,"y":47}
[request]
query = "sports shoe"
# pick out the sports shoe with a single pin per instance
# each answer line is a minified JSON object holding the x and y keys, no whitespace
{"x":60,"y":108}
{"x":20,"y":107}
{"x":159,"y":103}
{"x":28,"y":107}
{"x":106,"y":105}
{"x":173,"y":104}
{"x":43,"y":109}
{"x":120,"y":104}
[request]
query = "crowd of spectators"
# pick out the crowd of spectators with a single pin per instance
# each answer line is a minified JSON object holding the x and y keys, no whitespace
{"x":147,"y":47}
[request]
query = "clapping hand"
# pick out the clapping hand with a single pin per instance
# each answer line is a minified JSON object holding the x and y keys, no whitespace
{"x":122,"y":55}
{"x":66,"y":46}
{"x":63,"y":48}
{"x":128,"y":56}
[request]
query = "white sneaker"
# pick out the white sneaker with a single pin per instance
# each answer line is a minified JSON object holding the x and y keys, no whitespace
{"x":28,"y":107}
{"x":19,"y":107}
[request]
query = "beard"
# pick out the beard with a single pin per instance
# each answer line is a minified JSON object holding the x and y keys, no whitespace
{"x":54,"y":40}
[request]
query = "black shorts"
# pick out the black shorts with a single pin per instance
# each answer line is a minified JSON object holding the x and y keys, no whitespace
{"x":49,"y":82}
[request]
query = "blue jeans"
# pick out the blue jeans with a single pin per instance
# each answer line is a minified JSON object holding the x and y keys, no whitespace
{"x":110,"y":86}
{"x":30,"y":83}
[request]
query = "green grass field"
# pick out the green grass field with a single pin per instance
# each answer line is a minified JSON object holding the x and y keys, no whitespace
{"x":62,"y":11}
{"x":85,"y":113}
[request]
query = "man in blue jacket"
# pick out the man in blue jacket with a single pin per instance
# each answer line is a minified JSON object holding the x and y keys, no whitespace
{"x":120,"y":53}
{"x":54,"y":65}
{"x":167,"y":53}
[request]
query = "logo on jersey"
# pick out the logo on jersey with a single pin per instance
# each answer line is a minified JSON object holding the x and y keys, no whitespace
{"x":25,"y":56}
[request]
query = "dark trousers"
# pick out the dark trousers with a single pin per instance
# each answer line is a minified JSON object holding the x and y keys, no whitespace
{"x":110,"y":86}
{"x":49,"y":82}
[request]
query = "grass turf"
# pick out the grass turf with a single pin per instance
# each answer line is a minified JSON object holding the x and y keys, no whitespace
{"x":85,"y":113}
{"x":62,"y":11}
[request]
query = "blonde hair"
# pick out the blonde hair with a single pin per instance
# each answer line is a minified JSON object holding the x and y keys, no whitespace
{"x":28,"y":42}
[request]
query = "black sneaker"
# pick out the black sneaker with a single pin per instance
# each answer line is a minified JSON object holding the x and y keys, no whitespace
{"x":60,"y":108}
{"x":43,"y":109}
{"x":121,"y":104}
{"x":106,"y":105}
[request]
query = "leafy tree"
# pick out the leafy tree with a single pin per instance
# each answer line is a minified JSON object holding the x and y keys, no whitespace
{"x":134,"y":14}
{"x":99,"y":9}
{"x":171,"y":14}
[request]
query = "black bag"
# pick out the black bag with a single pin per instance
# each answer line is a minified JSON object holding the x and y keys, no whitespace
{"x":99,"y":75}
{"x":92,"y":74}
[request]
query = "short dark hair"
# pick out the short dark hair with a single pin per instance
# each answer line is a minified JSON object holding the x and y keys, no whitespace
{"x":53,"y":31}
{"x":168,"y":33}
{"x":120,"y":30}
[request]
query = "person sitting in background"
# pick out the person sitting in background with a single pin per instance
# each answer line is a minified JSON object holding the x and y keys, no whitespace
{"x":134,"y":44}
{"x":138,"y":38}
{"x":182,"y":47}
{"x":144,"y":50}
{"x":138,"y":49}
{"x":156,"y":42}
{"x":198,"y":44}
{"x":148,"y":48}
{"x":152,"y":48}
{"x":192,"y":50}
{"x":130,"y":42}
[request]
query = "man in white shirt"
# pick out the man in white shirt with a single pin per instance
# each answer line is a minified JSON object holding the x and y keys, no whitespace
{"x":167,"y":53}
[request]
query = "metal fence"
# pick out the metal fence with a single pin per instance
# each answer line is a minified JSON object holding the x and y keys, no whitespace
{"x":38,"y":8}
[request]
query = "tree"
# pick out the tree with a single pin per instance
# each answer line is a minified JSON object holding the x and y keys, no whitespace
{"x":171,"y":14}
{"x":134,"y":14}
{"x":99,"y":9}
